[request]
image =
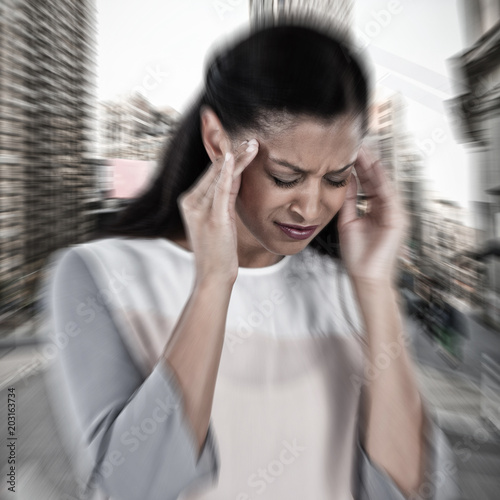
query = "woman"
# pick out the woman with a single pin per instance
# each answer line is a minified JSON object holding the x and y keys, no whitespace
{"x":210,"y":353}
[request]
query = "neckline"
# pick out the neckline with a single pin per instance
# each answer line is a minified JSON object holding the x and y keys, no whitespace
{"x":245,"y":271}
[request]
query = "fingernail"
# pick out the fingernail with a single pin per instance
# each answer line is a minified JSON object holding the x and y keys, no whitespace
{"x":228,"y":155}
{"x":252,"y":145}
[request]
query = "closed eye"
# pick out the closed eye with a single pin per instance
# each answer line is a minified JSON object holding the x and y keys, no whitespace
{"x":283,"y":184}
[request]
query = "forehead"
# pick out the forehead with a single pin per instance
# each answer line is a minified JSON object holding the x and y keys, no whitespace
{"x":312,"y":144}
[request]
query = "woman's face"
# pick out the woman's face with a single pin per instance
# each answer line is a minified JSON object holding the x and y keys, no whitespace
{"x":299,"y":177}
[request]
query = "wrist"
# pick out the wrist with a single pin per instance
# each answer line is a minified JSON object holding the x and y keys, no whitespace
{"x":214,"y":283}
{"x":372,"y":292}
{"x":364,"y":284}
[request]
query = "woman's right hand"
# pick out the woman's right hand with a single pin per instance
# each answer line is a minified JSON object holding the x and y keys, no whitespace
{"x":208,"y":212}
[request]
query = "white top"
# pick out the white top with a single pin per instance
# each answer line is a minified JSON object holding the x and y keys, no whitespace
{"x":286,"y":410}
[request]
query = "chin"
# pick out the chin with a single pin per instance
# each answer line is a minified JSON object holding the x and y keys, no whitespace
{"x":289,"y":248}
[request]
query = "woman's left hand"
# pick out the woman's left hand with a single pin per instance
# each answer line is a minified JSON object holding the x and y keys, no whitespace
{"x":369,"y":244}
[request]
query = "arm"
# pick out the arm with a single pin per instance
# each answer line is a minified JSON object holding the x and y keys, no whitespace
{"x":141,"y":443}
{"x":195,"y":348}
{"x":403,"y":454}
{"x":395,"y":427}
{"x":395,"y":418}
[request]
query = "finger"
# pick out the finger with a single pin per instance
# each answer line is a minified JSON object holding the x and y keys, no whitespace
{"x":206,"y":187}
{"x":382,"y":200}
{"x":383,"y":203}
{"x":348,"y":211}
{"x":387,"y":206}
{"x":246,"y":156}
{"x":364,"y":167}
{"x":223,"y":187}
{"x":373,"y":178}
{"x":242,"y":158}
{"x":199,"y":190}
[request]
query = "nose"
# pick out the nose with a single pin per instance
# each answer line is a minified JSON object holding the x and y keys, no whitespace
{"x":308,"y":202}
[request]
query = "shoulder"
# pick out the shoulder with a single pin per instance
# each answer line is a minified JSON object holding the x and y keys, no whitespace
{"x":106,"y":254}
{"x":71,"y":259}
{"x":78,"y":263}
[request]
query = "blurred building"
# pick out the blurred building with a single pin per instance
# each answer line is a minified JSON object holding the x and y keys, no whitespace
{"x":410,"y":181}
{"x":388,"y":126}
{"x":133,"y":129}
{"x":436,"y":249}
{"x":446,"y":264}
{"x":476,"y":112}
{"x":132,"y":135}
{"x":403,"y":163}
{"x":47,"y":176}
{"x":335,"y":13}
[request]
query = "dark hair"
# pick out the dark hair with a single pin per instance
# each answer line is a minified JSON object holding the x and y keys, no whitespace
{"x":266,"y":77}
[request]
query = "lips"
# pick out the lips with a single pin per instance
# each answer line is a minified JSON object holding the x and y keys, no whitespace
{"x":297,"y":232}
{"x":299,"y":228}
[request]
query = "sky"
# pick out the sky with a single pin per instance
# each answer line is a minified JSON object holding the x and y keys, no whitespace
{"x":159,"y":48}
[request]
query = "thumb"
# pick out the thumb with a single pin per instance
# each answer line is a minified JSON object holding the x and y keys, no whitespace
{"x":235,"y":188}
{"x":348,"y":211}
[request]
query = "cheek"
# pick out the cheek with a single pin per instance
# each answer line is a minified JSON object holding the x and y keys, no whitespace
{"x":257,"y":204}
{"x":249,"y":202}
{"x":335,"y":201}
{"x":256,"y":193}
{"x":342,"y":196}
{"x":249,"y":194}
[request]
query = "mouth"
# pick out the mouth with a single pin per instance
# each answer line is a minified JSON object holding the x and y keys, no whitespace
{"x":297,"y":232}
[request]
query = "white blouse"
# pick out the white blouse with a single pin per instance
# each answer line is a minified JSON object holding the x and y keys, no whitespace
{"x":287,"y":415}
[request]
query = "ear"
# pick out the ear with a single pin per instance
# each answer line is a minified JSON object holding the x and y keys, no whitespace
{"x":213,"y":135}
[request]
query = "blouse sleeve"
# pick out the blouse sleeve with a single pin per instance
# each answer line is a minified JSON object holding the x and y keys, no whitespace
{"x":135,"y":429}
{"x":370,"y":482}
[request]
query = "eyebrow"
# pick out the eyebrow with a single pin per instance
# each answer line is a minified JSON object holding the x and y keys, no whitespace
{"x":299,"y":170}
